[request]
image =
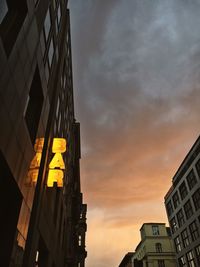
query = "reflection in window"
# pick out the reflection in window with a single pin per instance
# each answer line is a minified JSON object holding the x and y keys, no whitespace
{"x":180,"y":217}
{"x":177,"y":242}
{"x":191,"y":179}
{"x":34,"y":106}
{"x":169,"y":208}
{"x":185,"y":238}
{"x":3,"y":9}
{"x":58,"y":15}
{"x":194,"y":230}
{"x":188,"y":209}
{"x":190,"y":258}
{"x":173,"y":224}
{"x":42,"y":43}
{"x":182,"y":262}
{"x":197,"y":250}
{"x":47,"y":71}
{"x":47,"y":24}
{"x":50,"y":52}
{"x":176,"y":200}
{"x":183,"y":190}
{"x":58,"y":107}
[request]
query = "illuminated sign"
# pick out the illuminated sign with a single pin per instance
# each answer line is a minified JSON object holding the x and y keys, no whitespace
{"x":56,"y":166}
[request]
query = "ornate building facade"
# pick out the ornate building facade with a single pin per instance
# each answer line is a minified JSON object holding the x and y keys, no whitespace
{"x":155,"y":248}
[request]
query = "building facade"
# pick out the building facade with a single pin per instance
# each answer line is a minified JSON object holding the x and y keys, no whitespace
{"x":43,"y":218}
{"x":155,"y":248}
{"x":183,"y":209}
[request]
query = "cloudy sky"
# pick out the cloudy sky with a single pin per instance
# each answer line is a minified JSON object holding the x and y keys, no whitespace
{"x":136,"y":70}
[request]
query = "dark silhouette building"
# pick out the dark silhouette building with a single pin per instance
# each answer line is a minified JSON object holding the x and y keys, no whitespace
{"x":43,"y":218}
{"x":183,"y":209}
{"x":127,"y":260}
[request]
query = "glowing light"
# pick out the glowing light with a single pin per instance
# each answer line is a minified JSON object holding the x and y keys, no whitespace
{"x":35,"y":163}
{"x":59,"y":145}
{"x":55,"y":173}
{"x":39,"y":143}
{"x":32,"y":176}
{"x":55,"y":176}
{"x":57,"y":162}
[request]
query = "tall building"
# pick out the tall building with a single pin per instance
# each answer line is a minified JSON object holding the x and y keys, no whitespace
{"x":183,"y":209}
{"x":43,"y":218}
{"x":155,"y":248}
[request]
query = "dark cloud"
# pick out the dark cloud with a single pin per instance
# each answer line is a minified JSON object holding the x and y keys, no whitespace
{"x":137,"y":90}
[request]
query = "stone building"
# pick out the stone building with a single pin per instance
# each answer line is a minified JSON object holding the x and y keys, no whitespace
{"x":155,"y":248}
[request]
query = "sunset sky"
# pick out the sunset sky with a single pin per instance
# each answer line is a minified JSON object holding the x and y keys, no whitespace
{"x":136,"y":68}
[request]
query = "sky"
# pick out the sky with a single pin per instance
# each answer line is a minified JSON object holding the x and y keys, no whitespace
{"x":136,"y":71}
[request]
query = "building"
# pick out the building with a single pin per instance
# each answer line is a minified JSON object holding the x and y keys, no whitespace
{"x":183,"y":208}
{"x":127,"y":260}
{"x":155,"y":248}
{"x":43,"y":218}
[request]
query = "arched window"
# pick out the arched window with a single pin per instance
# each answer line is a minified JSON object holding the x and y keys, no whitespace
{"x":158,"y":247}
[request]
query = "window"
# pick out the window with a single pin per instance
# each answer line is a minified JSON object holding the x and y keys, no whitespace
{"x":34,"y":106}
{"x":155,"y":230}
{"x":176,"y":200}
{"x":196,"y":199}
{"x":12,"y":15}
{"x":161,"y":263}
{"x":174,"y":225}
{"x":194,"y":230}
{"x":183,"y":190}
{"x":50,"y":52}
{"x":197,"y":250}
{"x":48,"y":63}
{"x":47,"y":24}
{"x":188,"y":209}
{"x":190,"y":259}
{"x":191,"y":179}
{"x":58,"y":107}
{"x":185,"y":238}
{"x":158,"y":247}
{"x":58,"y":15}
{"x":3,"y":9}
{"x":177,"y":242}
{"x":180,"y":218}
{"x":182,"y":261}
{"x":169,"y":208}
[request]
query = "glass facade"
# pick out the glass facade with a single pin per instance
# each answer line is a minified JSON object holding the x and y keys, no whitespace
{"x":42,"y":217}
{"x":184,"y":219}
